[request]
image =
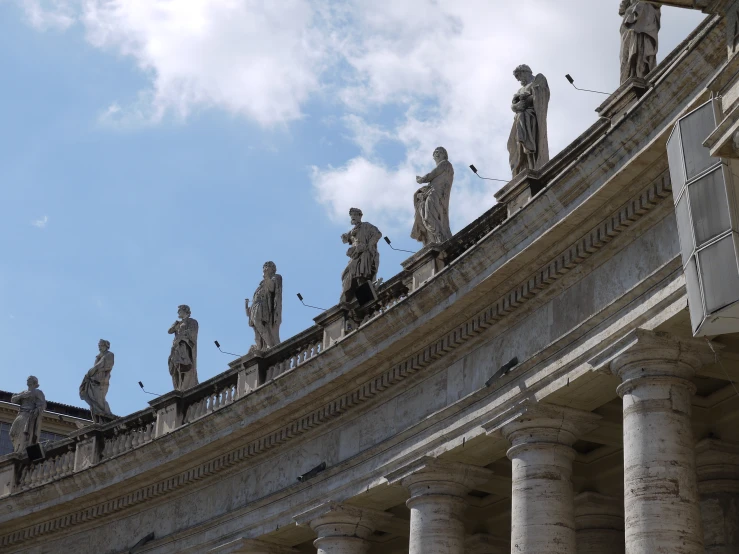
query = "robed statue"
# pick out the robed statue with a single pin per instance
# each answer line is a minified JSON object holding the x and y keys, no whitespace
{"x":639,"y":37}
{"x":183,"y":359}
{"x":431,"y":202}
{"x":26,"y":428}
{"x":528,"y":144}
{"x":364,"y":258}
{"x":95,"y":384}
{"x":265,"y":312}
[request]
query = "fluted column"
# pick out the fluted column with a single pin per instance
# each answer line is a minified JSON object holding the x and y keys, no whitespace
{"x":542,"y":504}
{"x":438,"y":501}
{"x":718,"y":485}
{"x":341,"y":528}
{"x":662,"y":512}
{"x":599,"y":521}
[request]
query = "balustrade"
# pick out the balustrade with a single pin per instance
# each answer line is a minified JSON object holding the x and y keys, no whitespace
{"x":127,"y":436}
{"x":54,"y":467}
{"x":211,"y":403}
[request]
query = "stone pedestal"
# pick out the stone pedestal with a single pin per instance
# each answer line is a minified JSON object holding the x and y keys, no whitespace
{"x":88,"y":447}
{"x":520,"y":190}
{"x":170,"y":412}
{"x":424,"y":264}
{"x":9,"y":473}
{"x":718,"y":486}
{"x":662,"y":512}
{"x":336,"y":323}
{"x":599,"y":521}
{"x":438,"y":501}
{"x":542,"y":504}
{"x":343,"y":529}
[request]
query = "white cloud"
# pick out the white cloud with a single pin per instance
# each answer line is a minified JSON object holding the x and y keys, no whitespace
{"x":255,"y":58}
{"x":44,"y":15}
{"x":442,"y":67}
{"x":40,"y":222}
{"x":447,"y":65}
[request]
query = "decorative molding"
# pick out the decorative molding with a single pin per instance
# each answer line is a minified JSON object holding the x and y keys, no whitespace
{"x":578,"y":252}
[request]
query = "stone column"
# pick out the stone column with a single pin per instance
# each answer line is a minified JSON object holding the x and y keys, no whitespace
{"x":718,"y":485}
{"x":438,"y":501}
{"x":599,"y":521}
{"x":482,"y":543}
{"x":660,"y":490}
{"x":343,"y":529}
{"x":542,"y":503}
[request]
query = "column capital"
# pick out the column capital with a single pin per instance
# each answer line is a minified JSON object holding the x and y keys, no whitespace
{"x":532,"y":422}
{"x":482,"y":543}
{"x":334,"y":520}
{"x":429,"y":475}
{"x":251,"y":546}
{"x":652,"y":354}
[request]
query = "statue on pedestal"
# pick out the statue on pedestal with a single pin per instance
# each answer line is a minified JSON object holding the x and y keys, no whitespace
{"x":431,"y":202}
{"x":364,"y":258}
{"x":528,"y":144}
{"x":183,"y":359}
{"x":265,"y":313}
{"x":95,"y":384}
{"x":26,"y":428}
{"x":639,"y":37}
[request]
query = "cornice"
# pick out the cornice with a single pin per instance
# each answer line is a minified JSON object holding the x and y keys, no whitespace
{"x":543,"y":278}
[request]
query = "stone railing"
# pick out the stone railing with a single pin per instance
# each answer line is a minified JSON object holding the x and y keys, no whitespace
{"x":290,"y":355}
{"x":223,"y":394}
{"x":58,"y":463}
{"x":127,"y":435}
{"x":475,"y":232}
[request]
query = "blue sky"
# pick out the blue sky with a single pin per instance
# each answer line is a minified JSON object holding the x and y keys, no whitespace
{"x":152,"y":155}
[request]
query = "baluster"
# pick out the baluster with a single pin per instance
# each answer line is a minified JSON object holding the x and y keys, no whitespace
{"x":147,"y":432}
{"x":135,"y":438}
{"x":216,"y":401}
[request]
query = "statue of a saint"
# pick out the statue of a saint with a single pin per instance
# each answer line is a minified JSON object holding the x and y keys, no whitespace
{"x":364,"y":258}
{"x":431,"y":202}
{"x":528,"y":145}
{"x":265,"y":313}
{"x":639,"y":42}
{"x":26,"y":428}
{"x":95,"y":384}
{"x":183,"y":360}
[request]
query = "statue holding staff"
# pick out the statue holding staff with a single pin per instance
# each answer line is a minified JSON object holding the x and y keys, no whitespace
{"x":265,"y":313}
{"x":528,"y":143}
{"x":183,"y":359}
{"x":431,"y":202}
{"x":26,"y":428}
{"x":95,"y":384}
{"x":364,"y":258}
{"x":639,"y":37}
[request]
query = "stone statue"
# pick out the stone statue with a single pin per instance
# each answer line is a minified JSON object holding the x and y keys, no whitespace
{"x":183,"y":360}
{"x":528,"y":145}
{"x":364,"y":258}
{"x":265,"y":313}
{"x":431,"y":202}
{"x":26,"y":428}
{"x":639,"y":30}
{"x":95,"y":384}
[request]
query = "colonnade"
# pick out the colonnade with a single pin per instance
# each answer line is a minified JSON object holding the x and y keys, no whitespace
{"x":669,"y":492}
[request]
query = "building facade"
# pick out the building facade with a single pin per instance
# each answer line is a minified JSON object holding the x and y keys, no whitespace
{"x":531,"y":386}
